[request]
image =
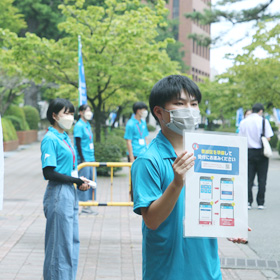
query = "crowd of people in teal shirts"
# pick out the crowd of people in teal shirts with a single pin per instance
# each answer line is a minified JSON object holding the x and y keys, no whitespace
{"x":158,"y":173}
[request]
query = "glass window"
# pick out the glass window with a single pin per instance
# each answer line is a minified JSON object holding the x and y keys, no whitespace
{"x":176,"y":8}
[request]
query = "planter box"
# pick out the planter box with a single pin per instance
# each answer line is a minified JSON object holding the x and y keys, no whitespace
{"x":10,"y":145}
{"x":27,"y":137}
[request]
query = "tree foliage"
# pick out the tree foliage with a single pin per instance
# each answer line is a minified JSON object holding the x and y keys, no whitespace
{"x":10,"y":17}
{"x":225,"y":11}
{"x":250,"y":80}
{"x":122,"y":59}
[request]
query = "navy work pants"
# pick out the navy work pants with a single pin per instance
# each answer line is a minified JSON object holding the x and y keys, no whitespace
{"x":257,"y":164}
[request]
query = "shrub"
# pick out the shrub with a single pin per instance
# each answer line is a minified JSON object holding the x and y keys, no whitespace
{"x":19,"y":124}
{"x":151,"y":127}
{"x":119,"y":141}
{"x":118,"y":131}
{"x":107,"y":152}
{"x":273,"y":141}
{"x":32,"y":116}
{"x":278,"y":146}
{"x":17,"y":112}
{"x":9,"y":132}
{"x":112,"y":148}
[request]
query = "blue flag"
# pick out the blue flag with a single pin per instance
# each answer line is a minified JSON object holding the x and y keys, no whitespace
{"x":82,"y":79}
{"x":239,"y":116}
{"x":276,"y":113}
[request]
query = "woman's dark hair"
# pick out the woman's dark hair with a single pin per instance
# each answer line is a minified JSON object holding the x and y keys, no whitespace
{"x":138,"y":106}
{"x":83,"y":107}
{"x":57,"y":105}
{"x":171,"y":87}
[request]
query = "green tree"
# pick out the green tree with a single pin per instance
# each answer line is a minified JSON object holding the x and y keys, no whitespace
{"x":11,"y":88}
{"x":10,"y":17}
{"x":174,"y":49}
{"x":121,"y":57}
{"x":251,"y":79}
{"x":257,"y":79}
{"x":224,"y":11}
{"x":41,"y":16}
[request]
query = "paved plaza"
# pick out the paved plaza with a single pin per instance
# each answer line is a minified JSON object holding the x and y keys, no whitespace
{"x":111,"y":240}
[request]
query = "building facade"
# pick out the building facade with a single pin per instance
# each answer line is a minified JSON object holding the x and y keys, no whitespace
{"x":196,"y":57}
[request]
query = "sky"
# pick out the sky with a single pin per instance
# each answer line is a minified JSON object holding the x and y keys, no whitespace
{"x":217,"y":61}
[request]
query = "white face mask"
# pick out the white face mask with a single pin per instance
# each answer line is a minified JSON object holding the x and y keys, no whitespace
{"x":144,"y":114}
{"x":65,"y":122}
{"x":88,"y":115}
{"x":180,"y":119}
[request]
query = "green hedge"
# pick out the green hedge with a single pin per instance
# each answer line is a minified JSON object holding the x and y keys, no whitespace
{"x":151,"y":127}
{"x":18,"y":123}
{"x":17,"y":116}
{"x":273,"y":141}
{"x":32,"y":117}
{"x":112,"y":149}
{"x":278,"y":147}
{"x":9,"y":132}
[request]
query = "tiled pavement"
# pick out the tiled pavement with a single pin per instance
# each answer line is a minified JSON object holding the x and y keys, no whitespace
{"x":110,"y":241}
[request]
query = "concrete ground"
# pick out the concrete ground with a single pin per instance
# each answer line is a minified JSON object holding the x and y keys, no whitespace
{"x":111,"y":240}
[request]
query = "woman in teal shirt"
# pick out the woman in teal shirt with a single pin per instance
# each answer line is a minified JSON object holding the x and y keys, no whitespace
{"x":83,"y":139}
{"x":61,"y":200}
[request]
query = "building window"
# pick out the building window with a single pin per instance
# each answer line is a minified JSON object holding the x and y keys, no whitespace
{"x":176,"y":8}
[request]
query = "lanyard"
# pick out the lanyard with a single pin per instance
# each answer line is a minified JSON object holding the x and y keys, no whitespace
{"x":72,"y":151}
{"x":89,"y":134}
{"x":141,"y":133}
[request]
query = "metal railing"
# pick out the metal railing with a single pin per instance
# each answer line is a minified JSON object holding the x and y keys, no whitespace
{"x":111,"y":165}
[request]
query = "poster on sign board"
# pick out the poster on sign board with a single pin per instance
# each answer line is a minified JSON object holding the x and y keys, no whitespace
{"x":216,"y":187}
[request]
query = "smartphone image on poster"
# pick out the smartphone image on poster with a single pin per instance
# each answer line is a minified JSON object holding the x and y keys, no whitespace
{"x":205,"y":188}
{"x":227,"y":215}
{"x":205,"y":213}
{"x":227,"y":191}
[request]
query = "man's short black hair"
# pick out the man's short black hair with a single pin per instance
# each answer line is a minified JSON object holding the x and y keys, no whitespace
{"x":171,"y":87}
{"x":138,"y":106}
{"x":57,"y":105}
{"x":257,"y":107}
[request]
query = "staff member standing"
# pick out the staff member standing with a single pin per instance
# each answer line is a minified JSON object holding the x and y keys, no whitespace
{"x":252,"y":128}
{"x":136,"y":131}
{"x":83,"y":139}
{"x":61,"y":207}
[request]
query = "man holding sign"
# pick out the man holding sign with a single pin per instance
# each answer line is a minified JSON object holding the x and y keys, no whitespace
{"x":158,"y":187}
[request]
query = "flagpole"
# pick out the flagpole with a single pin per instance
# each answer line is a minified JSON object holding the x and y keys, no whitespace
{"x":82,"y":80}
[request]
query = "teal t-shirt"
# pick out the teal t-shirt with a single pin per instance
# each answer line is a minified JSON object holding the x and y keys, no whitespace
{"x":136,"y":132}
{"x":58,"y":151}
{"x":166,"y":253}
{"x":83,"y":130}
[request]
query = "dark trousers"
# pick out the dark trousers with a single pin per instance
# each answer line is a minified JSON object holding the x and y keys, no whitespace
{"x":257,"y":164}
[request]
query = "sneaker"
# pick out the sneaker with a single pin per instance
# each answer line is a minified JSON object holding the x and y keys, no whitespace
{"x":261,"y":207}
{"x":87,"y":210}
{"x":249,"y":206}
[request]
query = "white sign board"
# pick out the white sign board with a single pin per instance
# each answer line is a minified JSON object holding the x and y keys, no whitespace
{"x":216,"y":187}
{"x":1,"y":166}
